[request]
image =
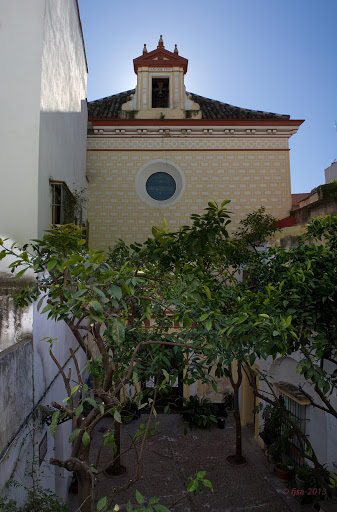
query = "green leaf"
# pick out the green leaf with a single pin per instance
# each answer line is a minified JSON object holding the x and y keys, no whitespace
{"x":96,"y":306}
{"x":117,"y":417}
{"x":53,"y":424}
{"x":79,"y":410}
{"x":115,"y":291}
{"x":47,"y":308}
{"x":92,"y":401}
{"x":118,"y":331}
{"x":101,"y":410}
{"x":74,"y":434}
{"x":92,"y":469}
{"x":203,"y":317}
{"x":75,"y":388}
{"x":167,"y":377}
{"x":208,"y":324}
{"x":40,"y":303}
{"x":193,"y":486}
{"x":100,"y":293}
{"x":214,"y":386}
{"x":153,"y":501}
{"x":79,"y":293}
{"x":332,"y":481}
{"x":139,"y":498}
{"x":207,"y":483}
{"x":129,"y":506}
{"x":19,"y":274}
{"x":161,"y":508}
{"x":201,"y":474}
{"x":86,"y":438}
{"x":208,"y":292}
{"x":102,"y":503}
{"x":51,"y":264}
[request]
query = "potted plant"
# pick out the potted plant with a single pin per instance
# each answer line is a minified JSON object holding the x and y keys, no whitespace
{"x":305,"y":480}
{"x":283,"y":472}
{"x":304,"y":477}
{"x":273,"y":423}
{"x":274,"y":454}
{"x":229,"y":403}
{"x":198,"y":412}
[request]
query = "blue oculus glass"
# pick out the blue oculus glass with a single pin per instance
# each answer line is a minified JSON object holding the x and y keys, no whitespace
{"x":160,"y":186}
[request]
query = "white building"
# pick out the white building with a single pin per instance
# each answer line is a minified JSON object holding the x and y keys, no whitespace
{"x":331,"y":172}
{"x":42,"y":160}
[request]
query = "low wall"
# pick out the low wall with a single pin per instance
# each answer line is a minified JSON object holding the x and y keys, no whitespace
{"x":16,"y":384}
{"x":16,"y":324}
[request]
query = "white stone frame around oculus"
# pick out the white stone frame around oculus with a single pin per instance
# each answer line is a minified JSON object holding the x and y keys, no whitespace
{"x":152,"y":167}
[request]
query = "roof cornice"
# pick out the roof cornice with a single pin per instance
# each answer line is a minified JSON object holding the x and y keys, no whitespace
{"x":164,"y":58}
{"x":97,"y":121}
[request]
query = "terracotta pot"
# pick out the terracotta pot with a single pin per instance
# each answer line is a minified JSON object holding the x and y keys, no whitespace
{"x":282,"y":474}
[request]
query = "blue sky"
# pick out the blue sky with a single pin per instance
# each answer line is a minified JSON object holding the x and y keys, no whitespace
{"x":273,"y":55}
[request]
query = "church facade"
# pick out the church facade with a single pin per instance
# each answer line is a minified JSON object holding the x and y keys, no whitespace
{"x":158,"y":151}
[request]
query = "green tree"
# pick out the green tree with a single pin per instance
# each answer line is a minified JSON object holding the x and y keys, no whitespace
{"x":292,"y":308}
{"x":206,"y":262}
{"x":104,"y":299}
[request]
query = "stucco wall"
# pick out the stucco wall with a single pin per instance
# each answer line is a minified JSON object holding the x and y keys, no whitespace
{"x":43,"y":107}
{"x":63,"y":119}
{"x":16,"y":397}
{"x":213,"y":169}
{"x":43,"y":136}
{"x":21,"y":36}
{"x":331,"y":172}
{"x":320,"y":426}
{"x":16,"y":324}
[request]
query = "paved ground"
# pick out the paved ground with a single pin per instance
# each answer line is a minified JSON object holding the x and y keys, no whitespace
{"x":171,"y":457}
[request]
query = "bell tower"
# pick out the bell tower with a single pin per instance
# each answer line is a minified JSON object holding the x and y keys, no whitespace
{"x":160,"y":91}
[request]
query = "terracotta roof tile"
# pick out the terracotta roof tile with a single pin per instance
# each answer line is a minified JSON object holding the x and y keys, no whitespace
{"x":110,"y":108}
{"x":296,"y":198}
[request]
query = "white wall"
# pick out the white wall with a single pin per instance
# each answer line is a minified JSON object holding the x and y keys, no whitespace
{"x":21,"y":36}
{"x":331,"y":173}
{"x":63,"y":118}
{"x":42,"y":136}
{"x":321,"y":427}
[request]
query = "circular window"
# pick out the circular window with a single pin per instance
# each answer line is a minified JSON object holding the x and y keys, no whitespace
{"x":160,"y":183}
{"x":160,"y":186}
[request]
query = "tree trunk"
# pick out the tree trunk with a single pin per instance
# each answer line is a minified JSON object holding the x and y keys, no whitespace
{"x":116,"y":468}
{"x":237,"y":459}
{"x":84,"y":493}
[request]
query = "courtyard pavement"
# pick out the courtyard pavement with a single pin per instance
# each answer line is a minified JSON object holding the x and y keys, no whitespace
{"x":172,"y":456}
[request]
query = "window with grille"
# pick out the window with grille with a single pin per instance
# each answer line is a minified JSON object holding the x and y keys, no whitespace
{"x":63,"y":204}
{"x":296,"y":404}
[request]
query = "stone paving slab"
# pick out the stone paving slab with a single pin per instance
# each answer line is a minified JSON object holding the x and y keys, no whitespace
{"x":172,"y":456}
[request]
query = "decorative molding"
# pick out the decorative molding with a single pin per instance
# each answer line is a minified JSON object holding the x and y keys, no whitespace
{"x":143,"y":142}
{"x":152,"y":167}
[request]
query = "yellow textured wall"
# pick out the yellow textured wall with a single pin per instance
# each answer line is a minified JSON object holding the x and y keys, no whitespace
{"x":250,"y":172}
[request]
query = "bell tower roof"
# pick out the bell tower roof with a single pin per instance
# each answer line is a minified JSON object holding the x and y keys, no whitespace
{"x":160,"y":58}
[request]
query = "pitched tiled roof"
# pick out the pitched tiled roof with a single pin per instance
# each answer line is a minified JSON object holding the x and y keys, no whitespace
{"x":110,"y":108}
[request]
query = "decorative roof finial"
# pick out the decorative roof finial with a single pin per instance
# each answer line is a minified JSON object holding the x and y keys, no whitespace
{"x":175,"y":49}
{"x":144,"y":49}
{"x":161,"y":43}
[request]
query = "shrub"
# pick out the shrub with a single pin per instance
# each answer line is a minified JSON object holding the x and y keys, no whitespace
{"x":198,"y":412}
